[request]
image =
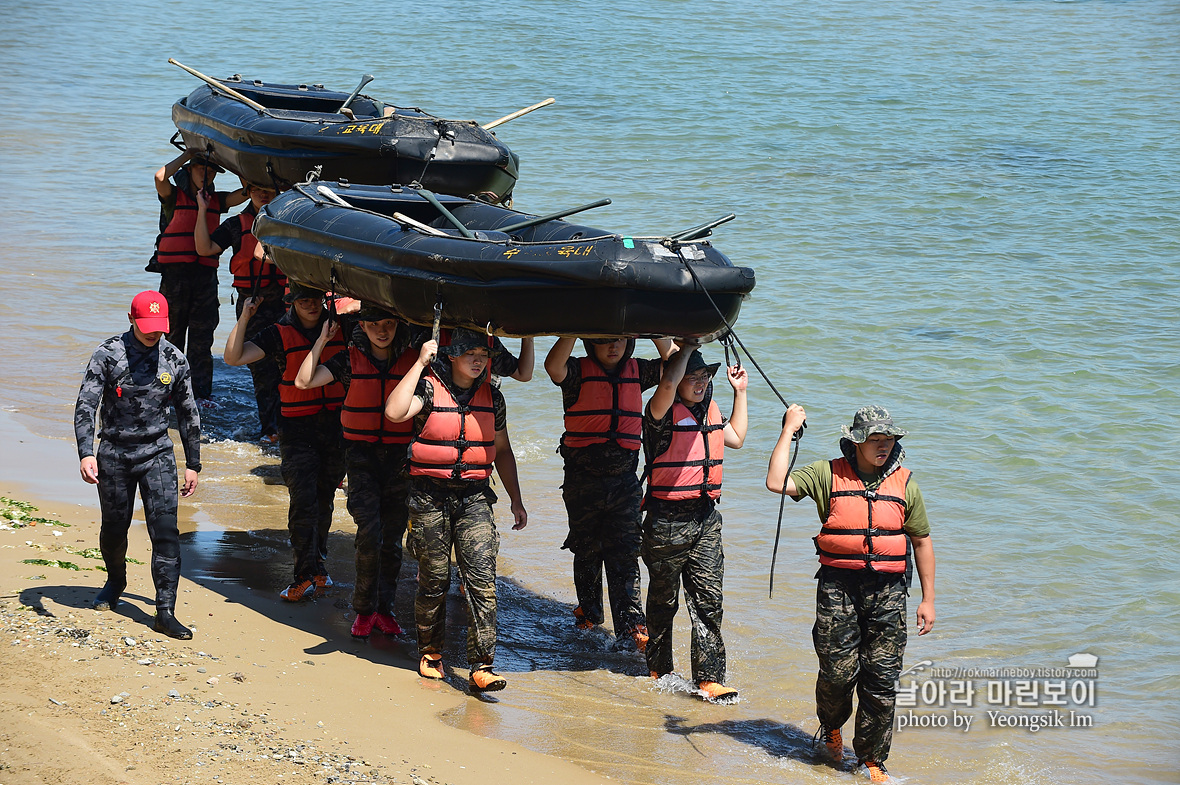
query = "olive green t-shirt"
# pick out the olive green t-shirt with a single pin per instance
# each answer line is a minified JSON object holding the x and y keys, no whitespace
{"x":815,"y":481}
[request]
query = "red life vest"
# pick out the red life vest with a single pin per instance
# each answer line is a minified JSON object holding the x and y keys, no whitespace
{"x":363,"y":414}
{"x":691,"y":466}
{"x":176,"y":244}
{"x":457,"y":442}
{"x":294,"y":402}
{"x":864,"y":528}
{"x":244,"y":267}
{"x":609,"y":407}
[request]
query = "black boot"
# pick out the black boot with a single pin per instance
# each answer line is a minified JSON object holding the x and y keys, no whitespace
{"x":167,"y":624}
{"x":108,"y":598}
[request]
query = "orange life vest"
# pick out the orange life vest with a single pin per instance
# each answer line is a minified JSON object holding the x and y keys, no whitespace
{"x":363,"y":415}
{"x":176,"y":244}
{"x":864,"y":528}
{"x":691,"y":466}
{"x":456,"y":442}
{"x":609,"y":407}
{"x":245,"y":268}
{"x":294,"y":402}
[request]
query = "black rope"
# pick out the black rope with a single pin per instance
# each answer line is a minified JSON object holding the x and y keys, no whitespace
{"x":782,"y":503}
{"x":729,"y":327}
{"x":731,"y":335}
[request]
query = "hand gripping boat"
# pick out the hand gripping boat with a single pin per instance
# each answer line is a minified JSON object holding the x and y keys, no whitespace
{"x":499,"y":270}
{"x":292,"y":129}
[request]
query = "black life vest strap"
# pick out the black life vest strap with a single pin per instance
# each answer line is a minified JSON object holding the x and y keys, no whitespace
{"x":863,"y":532}
{"x":865,"y":557}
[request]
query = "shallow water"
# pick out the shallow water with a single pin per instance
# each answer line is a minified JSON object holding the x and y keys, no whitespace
{"x":964,"y":211}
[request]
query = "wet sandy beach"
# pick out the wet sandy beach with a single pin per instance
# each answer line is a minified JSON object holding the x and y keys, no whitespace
{"x":272,"y":694}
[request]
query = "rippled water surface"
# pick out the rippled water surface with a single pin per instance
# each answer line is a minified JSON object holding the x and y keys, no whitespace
{"x":965,"y":211}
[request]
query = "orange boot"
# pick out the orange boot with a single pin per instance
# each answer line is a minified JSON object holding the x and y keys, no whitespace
{"x":713,"y":691}
{"x":431,"y":667}
{"x":482,"y":679}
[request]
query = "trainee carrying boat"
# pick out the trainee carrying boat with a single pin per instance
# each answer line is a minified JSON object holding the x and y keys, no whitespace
{"x":498,"y":269}
{"x":281,"y":132}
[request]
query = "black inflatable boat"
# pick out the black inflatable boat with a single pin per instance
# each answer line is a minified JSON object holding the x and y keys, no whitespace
{"x":504,"y":271}
{"x":301,"y":127}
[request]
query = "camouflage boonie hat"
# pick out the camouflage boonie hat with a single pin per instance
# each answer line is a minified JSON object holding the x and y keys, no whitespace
{"x":464,"y":340}
{"x":869,"y":420}
{"x":300,"y":292}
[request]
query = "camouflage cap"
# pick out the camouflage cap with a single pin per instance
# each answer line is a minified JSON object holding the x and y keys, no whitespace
{"x":464,"y":340}
{"x":373,"y":313}
{"x":869,"y":420}
{"x":300,"y":292}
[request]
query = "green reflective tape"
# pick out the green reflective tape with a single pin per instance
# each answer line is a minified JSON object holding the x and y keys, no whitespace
{"x":628,"y":242}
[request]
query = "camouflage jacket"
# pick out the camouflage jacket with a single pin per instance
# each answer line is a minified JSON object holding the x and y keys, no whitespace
{"x":135,"y":385}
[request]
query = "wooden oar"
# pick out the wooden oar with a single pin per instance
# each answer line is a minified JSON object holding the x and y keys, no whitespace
{"x":517,"y":114}
{"x":228,"y":90}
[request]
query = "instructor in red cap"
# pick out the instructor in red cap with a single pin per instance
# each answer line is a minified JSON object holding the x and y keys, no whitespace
{"x":135,"y":377}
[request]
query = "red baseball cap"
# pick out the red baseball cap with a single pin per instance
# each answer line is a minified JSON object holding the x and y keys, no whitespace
{"x":150,"y":311}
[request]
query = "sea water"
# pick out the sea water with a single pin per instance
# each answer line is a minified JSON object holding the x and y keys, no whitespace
{"x":963,"y":211}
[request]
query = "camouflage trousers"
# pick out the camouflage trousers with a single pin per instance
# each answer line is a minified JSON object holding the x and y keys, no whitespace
{"x":377,"y":489}
{"x":439,"y":520}
{"x":312,"y":461}
{"x":688,"y":550}
{"x":604,"y":533}
{"x":191,"y":292}
{"x":860,"y":637}
{"x":265,"y":372}
{"x":156,"y":479}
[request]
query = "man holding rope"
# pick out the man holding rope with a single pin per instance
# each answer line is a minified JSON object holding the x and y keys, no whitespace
{"x":873,"y":515}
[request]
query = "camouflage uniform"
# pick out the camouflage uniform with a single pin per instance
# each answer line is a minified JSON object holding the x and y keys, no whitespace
{"x":602,"y":498}
{"x":265,"y":372}
{"x":454,"y":513}
{"x":135,"y":385}
{"x":604,"y":517}
{"x":682,"y":539}
{"x":191,"y":291}
{"x":459,"y":514}
{"x":859,"y":637}
{"x":312,"y":461}
{"x":378,"y":488}
{"x":860,"y":631}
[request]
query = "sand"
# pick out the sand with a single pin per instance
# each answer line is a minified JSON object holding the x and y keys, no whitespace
{"x":98,"y":697}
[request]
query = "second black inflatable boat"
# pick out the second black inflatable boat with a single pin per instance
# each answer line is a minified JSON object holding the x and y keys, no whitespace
{"x":498,"y":269}
{"x":301,"y":127}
